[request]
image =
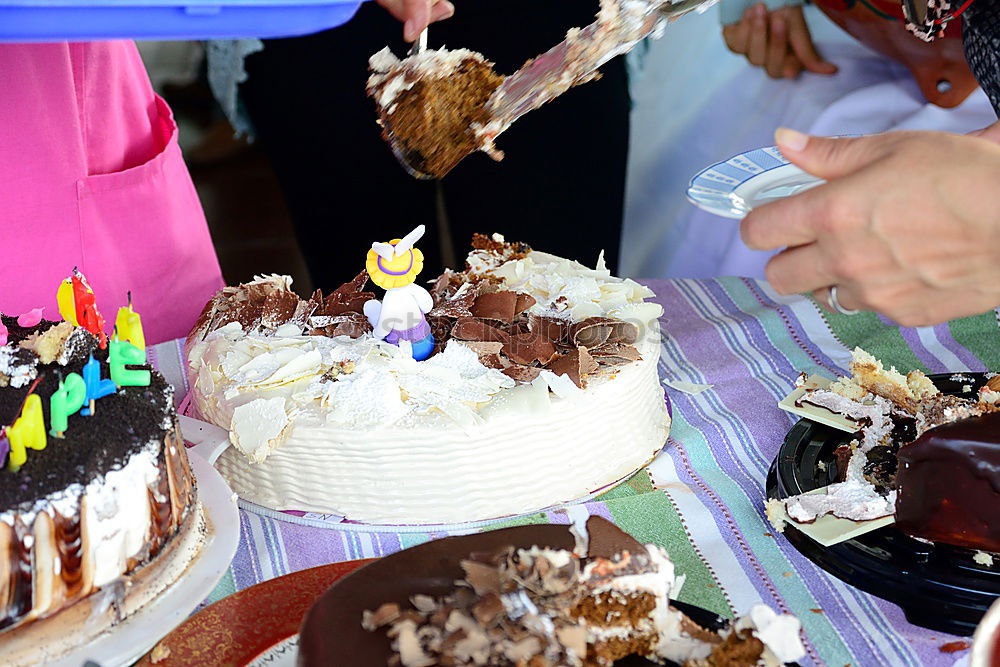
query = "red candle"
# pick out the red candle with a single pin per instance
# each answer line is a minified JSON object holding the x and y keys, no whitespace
{"x":86,"y":308}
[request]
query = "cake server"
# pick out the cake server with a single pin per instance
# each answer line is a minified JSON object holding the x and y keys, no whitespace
{"x":620,"y":26}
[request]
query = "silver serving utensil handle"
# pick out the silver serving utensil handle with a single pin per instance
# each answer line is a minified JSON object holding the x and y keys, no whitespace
{"x":620,"y":26}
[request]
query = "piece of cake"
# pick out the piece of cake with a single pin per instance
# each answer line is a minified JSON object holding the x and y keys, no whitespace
{"x":429,"y":104}
{"x":929,"y":458}
{"x":100,"y":521}
{"x":543,"y":606}
{"x":543,"y":388}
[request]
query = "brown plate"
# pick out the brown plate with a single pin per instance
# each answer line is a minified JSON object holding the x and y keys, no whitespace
{"x":239,"y":628}
{"x":332,"y":634}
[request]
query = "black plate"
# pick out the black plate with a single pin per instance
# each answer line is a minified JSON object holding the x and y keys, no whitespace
{"x":332,"y":628}
{"x":938,"y":586}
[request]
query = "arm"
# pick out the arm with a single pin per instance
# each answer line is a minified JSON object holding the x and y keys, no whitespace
{"x":907,"y":225}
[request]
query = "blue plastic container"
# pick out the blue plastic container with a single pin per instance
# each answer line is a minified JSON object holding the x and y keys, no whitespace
{"x":83,"y":20}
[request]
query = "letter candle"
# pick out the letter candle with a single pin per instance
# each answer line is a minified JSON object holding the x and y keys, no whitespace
{"x":96,"y":387}
{"x":67,"y":400}
{"x":28,"y":432}
{"x":122,"y":354}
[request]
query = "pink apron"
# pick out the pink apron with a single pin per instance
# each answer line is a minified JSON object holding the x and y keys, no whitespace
{"x":91,"y":176}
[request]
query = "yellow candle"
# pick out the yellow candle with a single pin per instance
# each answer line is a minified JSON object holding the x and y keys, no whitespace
{"x":28,"y":432}
{"x":67,"y":304}
{"x":129,"y":325}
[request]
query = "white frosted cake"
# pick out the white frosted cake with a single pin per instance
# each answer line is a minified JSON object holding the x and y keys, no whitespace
{"x":542,"y":389}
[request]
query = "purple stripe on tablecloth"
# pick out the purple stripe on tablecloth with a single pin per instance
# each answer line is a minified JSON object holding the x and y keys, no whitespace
{"x":925,"y":643}
{"x":780,"y":378}
{"x":708,"y":349}
{"x":912,"y":338}
{"x":943,"y":332}
{"x":795,"y":329}
{"x":246,"y":569}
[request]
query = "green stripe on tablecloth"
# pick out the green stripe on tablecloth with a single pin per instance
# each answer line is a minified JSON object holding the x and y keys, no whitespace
{"x":653,"y":518}
{"x":225,"y":587}
{"x":765,"y":549}
{"x":635,"y":485}
{"x":527,"y":520}
{"x":980,"y":335}
{"x":774,"y":325}
{"x":867,"y":331}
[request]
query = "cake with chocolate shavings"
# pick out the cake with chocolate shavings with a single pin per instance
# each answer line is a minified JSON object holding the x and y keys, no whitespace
{"x":537,"y":358}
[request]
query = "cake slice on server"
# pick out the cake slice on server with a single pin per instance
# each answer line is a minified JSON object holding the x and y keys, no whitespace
{"x":928,"y":459}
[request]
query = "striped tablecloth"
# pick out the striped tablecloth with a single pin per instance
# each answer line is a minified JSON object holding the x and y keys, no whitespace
{"x":703,"y":497}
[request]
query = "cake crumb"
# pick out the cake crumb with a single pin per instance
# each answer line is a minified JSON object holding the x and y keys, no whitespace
{"x":983,"y":558}
{"x":159,"y":653}
{"x":954,"y":647}
{"x":775,"y":514}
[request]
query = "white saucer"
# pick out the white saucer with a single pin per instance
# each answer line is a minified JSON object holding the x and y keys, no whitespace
{"x":129,"y":640}
{"x":735,"y":186}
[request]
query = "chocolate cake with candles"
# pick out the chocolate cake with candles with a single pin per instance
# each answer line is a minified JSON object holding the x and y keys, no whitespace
{"x":98,"y":506}
{"x":930,"y":458}
{"x":386,"y":406}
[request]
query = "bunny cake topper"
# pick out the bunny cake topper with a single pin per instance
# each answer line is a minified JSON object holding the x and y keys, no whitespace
{"x":394,"y":267}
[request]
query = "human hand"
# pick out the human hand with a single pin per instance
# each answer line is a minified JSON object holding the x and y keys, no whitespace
{"x":417,"y":14}
{"x":779,"y":41}
{"x":908,"y":224}
{"x":990,"y":133}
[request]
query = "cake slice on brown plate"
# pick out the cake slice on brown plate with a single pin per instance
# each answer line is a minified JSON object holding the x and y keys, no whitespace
{"x":542,"y":607}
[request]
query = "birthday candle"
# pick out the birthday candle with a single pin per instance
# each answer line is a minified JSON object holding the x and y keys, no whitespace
{"x":27,"y":432}
{"x":124,"y":353}
{"x":67,"y":302}
{"x":66,"y":400}
{"x":128,"y":325}
{"x":96,"y":387}
{"x":85,"y":306}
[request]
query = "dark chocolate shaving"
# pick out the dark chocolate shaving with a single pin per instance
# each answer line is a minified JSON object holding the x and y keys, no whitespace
{"x":500,"y":306}
{"x":576,"y":364}
{"x":470,"y":328}
{"x":528,"y":348}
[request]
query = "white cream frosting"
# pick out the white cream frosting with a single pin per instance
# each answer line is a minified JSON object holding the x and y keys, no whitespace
{"x":778,"y":632}
{"x":378,"y":437}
